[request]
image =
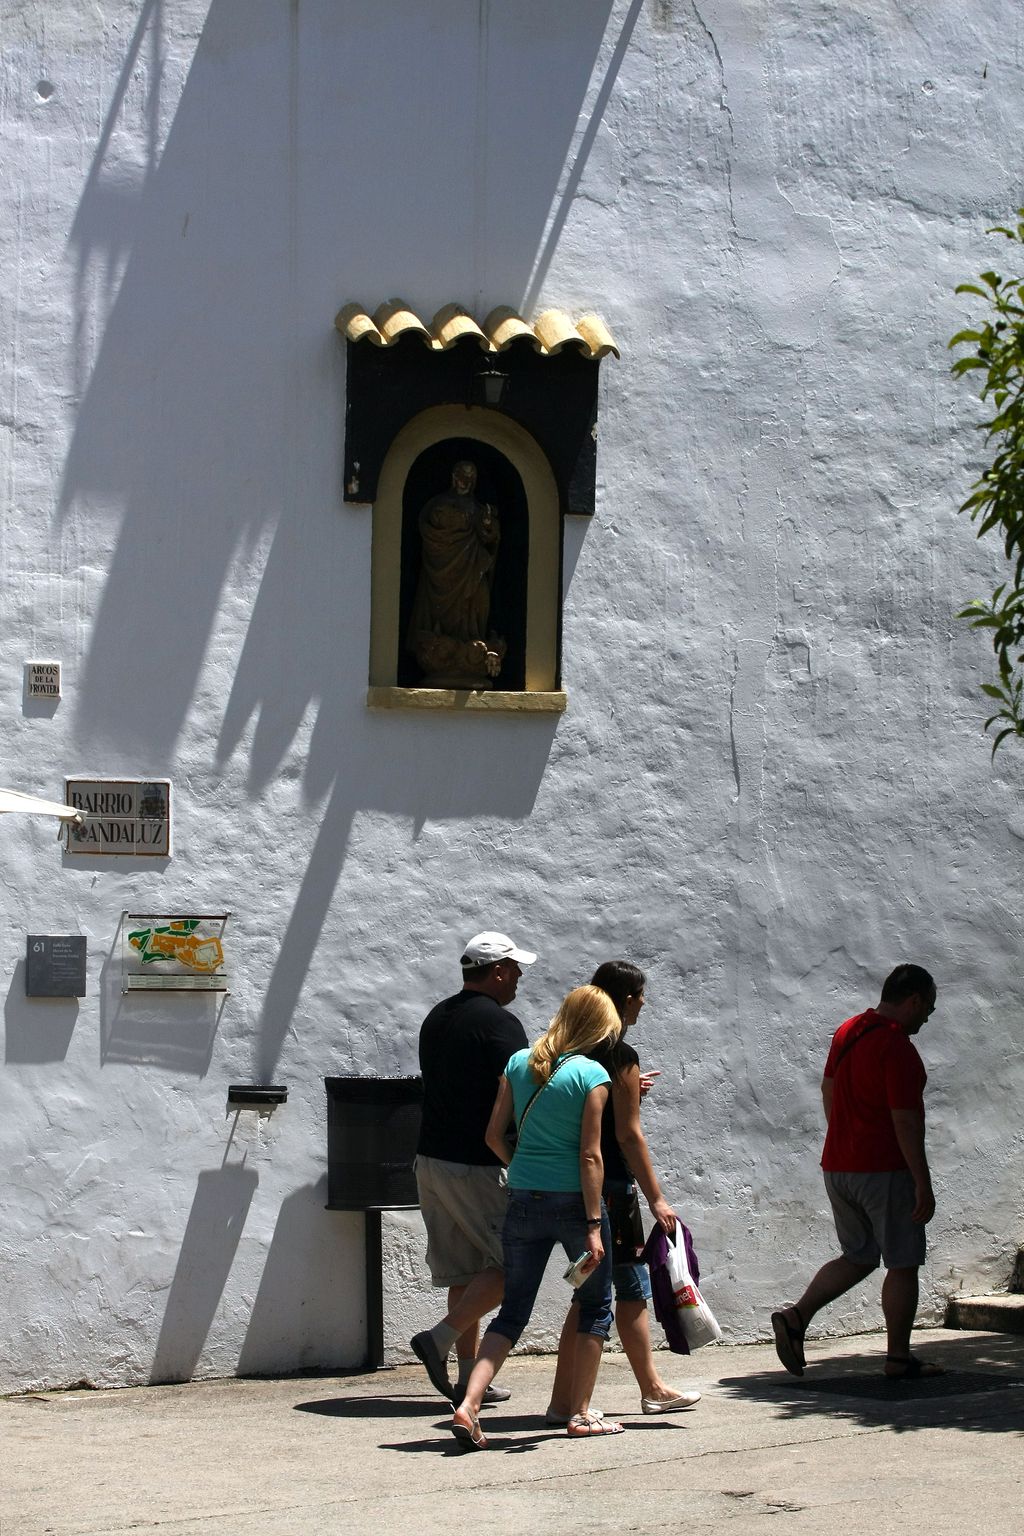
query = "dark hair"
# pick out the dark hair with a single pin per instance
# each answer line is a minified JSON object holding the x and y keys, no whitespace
{"x":905,"y":981}
{"x":478,"y":972}
{"x":620,"y":980}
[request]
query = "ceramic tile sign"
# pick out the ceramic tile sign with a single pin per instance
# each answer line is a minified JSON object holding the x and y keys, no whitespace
{"x":130,"y":817}
{"x":55,"y":965}
{"x":164,"y":953}
{"x":43,"y":679}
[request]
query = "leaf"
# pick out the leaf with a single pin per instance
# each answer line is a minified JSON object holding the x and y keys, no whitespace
{"x":995,"y":504}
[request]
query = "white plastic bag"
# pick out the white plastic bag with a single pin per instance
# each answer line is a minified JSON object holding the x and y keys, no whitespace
{"x":695,"y":1316}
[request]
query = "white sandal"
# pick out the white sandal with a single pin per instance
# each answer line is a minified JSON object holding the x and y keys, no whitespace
{"x":467,"y":1430}
{"x":583,"y":1426}
{"x":560,"y":1420}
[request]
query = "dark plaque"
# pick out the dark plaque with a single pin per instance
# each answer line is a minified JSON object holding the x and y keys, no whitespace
{"x":55,"y":965}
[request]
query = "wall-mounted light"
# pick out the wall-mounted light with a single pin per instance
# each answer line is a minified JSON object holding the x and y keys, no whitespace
{"x":490,"y":385}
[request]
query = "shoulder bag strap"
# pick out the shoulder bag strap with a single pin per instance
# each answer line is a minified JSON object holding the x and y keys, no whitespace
{"x":538,"y":1091}
{"x":848,"y":1047}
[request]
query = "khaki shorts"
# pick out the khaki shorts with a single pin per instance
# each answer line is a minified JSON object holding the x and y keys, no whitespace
{"x":873,"y":1218}
{"x":463,"y":1208}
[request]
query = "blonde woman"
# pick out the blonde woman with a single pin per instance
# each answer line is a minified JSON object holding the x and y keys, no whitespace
{"x":627,"y":1162}
{"x":555,"y":1096}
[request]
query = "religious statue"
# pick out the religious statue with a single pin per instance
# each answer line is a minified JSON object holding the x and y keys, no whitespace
{"x":448,"y":632}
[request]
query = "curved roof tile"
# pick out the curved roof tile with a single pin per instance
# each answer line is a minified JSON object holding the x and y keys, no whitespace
{"x":549,"y":334}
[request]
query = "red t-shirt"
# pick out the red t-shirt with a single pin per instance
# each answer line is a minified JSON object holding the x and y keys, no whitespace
{"x":881,"y":1072}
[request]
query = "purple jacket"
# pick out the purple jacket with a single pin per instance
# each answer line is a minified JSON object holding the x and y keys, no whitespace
{"x":655,"y":1256}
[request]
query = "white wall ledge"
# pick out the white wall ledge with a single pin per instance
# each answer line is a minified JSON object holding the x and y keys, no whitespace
{"x":486,"y":700}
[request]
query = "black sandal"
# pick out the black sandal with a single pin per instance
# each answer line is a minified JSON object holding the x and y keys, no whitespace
{"x":913,"y":1368}
{"x":789,"y":1341}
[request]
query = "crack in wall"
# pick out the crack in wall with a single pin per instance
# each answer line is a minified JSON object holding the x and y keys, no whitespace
{"x":723,"y":103}
{"x":732,"y":724}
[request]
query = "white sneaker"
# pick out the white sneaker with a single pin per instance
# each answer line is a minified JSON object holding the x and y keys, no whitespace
{"x":491,"y":1395}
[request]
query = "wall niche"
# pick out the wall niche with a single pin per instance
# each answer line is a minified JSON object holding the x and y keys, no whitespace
{"x":472,"y":443}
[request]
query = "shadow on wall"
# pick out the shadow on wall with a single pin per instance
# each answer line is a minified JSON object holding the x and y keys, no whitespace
{"x":309,"y":1310}
{"x":286,"y":185}
{"x":36,"y":1029}
{"x":316,"y":154}
{"x":408,"y":767}
{"x":215,"y":1225}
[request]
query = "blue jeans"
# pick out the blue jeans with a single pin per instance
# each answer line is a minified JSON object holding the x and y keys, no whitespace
{"x":535,"y":1221}
{"x":632,"y":1282}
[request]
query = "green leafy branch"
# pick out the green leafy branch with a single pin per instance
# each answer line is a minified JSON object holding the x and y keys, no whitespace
{"x":996,"y":502}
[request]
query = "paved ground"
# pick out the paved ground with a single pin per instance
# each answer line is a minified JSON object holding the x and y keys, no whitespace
{"x":839,"y":1452}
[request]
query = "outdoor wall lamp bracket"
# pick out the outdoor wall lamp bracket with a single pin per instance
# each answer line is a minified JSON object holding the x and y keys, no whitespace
{"x":263,"y":1098}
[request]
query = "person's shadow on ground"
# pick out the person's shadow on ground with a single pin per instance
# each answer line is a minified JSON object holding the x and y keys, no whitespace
{"x":398,"y":1407}
{"x":515,"y":1434}
{"x":982,"y":1388}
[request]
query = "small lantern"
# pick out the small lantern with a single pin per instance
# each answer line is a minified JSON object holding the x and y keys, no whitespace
{"x":490,"y":385}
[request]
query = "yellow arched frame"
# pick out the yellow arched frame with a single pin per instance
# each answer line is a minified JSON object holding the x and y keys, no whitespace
{"x":543,"y":566}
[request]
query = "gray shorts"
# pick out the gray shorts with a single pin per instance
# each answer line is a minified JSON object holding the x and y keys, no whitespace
{"x":463,"y":1208}
{"x":872,"y":1214}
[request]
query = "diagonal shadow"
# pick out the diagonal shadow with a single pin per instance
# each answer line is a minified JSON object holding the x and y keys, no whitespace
{"x":208,"y":1247}
{"x":220,"y":226}
{"x":210,"y":257}
{"x":308,"y":1280}
{"x":572,"y":184}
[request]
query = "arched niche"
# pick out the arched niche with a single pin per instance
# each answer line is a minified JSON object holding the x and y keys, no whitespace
{"x":536,"y":667}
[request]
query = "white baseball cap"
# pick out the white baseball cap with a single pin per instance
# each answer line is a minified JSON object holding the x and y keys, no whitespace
{"x":487,"y":948}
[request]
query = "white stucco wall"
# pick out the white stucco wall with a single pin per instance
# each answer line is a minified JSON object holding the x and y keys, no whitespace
{"x":771,"y":781}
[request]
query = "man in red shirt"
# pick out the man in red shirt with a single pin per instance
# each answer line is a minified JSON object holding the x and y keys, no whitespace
{"x":875,"y":1168}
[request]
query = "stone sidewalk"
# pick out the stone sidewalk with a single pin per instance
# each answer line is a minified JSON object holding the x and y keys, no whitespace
{"x":371,"y":1454}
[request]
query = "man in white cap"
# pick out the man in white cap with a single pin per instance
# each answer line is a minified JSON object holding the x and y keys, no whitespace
{"x":465,"y":1044}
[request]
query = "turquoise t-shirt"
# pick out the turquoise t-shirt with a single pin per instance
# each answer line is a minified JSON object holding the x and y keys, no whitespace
{"x":548,"y":1154}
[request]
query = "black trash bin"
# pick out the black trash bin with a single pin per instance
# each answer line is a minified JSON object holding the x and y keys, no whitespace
{"x":373,"y":1125}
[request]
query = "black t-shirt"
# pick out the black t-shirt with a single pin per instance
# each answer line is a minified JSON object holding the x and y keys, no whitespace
{"x":617,"y":1057}
{"x":465,"y":1044}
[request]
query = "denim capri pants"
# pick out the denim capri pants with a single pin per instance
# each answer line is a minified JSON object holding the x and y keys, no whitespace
{"x":632,"y":1282}
{"x":537,"y":1220}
